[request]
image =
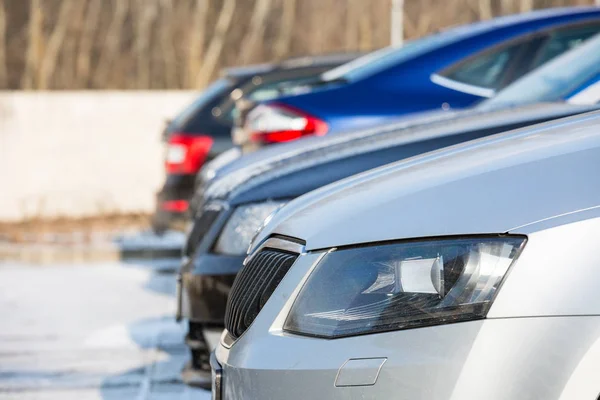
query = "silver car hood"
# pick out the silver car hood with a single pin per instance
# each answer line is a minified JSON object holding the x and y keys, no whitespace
{"x":491,"y":185}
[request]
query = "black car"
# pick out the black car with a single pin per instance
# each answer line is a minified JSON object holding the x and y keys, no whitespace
{"x":234,"y":206}
{"x":203,"y":130}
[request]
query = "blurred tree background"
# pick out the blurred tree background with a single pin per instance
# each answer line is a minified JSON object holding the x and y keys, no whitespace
{"x":182,"y":44}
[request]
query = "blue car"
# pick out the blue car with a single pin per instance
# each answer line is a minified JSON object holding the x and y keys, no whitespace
{"x":450,"y":69}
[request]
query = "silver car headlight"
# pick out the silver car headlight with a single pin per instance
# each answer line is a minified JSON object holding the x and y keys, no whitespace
{"x":242,"y":226}
{"x":409,"y":284}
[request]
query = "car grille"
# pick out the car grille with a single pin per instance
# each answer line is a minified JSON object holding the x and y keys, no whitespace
{"x":201,"y":226}
{"x":253,"y":286}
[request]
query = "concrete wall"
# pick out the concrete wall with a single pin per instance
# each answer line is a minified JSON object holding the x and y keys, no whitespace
{"x":82,"y":153}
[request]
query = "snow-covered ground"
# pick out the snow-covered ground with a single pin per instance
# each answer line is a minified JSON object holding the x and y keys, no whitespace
{"x":90,"y":332}
{"x":149,"y":240}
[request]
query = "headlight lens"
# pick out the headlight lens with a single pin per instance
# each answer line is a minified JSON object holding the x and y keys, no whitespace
{"x":242,"y":225}
{"x":404,"y":285}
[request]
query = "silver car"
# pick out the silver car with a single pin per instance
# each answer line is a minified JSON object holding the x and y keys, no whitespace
{"x":467,"y":273}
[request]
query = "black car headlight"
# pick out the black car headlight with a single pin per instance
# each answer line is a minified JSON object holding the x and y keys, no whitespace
{"x":411,"y":284}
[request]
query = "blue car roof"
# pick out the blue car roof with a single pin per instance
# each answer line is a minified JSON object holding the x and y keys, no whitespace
{"x":450,"y":35}
{"x":319,"y":60}
{"x":531,"y":17}
{"x":538,"y":14}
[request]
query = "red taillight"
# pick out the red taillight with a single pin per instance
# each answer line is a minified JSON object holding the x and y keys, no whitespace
{"x":276,"y":123}
{"x":175,"y":205}
{"x":186,"y":153}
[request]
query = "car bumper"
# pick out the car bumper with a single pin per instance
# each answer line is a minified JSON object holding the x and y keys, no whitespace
{"x":172,"y":202}
{"x":495,"y":358}
{"x":177,"y":187}
{"x":205,"y":286}
{"x":216,"y":378}
{"x":525,"y":358}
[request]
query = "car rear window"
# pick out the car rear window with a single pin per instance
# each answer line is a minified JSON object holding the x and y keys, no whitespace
{"x":380,"y":60}
{"x":207,"y":96}
{"x":555,"y":80}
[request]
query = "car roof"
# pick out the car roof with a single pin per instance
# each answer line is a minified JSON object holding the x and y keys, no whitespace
{"x":490,"y":185}
{"x":246,"y":70}
{"x":546,"y":12}
{"x":320,"y":60}
{"x":521,"y":18}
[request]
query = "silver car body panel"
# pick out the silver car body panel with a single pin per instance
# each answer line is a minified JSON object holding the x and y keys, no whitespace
{"x":515,"y":353}
{"x":541,"y":338}
{"x":469,"y":188}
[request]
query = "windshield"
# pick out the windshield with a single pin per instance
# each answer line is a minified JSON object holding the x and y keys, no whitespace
{"x":379,"y":60}
{"x":205,"y":97}
{"x":555,"y":80}
{"x":268,"y":90}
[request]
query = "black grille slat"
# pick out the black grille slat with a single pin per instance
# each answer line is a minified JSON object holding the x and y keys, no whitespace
{"x":253,"y":287}
{"x":273,"y":283}
{"x":260,"y":287}
{"x":248,"y":292}
{"x":236,"y":297}
{"x":241,"y":296}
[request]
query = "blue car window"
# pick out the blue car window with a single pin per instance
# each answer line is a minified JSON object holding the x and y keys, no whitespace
{"x":555,"y":80}
{"x":487,"y":70}
{"x":563,"y":40}
{"x":379,"y":60}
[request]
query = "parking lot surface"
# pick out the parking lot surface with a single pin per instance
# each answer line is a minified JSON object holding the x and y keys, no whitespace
{"x":90,"y":332}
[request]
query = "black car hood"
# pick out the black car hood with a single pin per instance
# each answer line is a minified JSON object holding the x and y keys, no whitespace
{"x":296,"y":172}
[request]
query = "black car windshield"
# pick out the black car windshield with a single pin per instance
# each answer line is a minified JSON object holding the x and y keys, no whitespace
{"x":206,"y":96}
{"x":555,"y":80}
{"x":377,"y":61}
